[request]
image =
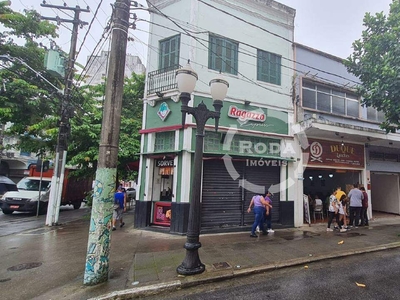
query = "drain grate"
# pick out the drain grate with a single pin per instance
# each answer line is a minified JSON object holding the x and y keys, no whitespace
{"x":5,"y":279}
{"x":26,"y":266}
{"x":221,"y":265}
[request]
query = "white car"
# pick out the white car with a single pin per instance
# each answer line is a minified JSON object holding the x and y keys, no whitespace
{"x":131,"y":193}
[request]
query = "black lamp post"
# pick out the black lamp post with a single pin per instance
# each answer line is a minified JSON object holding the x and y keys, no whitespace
{"x":186,"y":79}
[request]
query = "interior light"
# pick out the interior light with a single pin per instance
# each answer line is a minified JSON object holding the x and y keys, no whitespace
{"x":330,"y":175}
{"x":319,"y":176}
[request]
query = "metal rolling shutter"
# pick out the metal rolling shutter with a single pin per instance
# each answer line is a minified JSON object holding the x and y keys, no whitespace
{"x":225,"y":202}
{"x":221,"y":196}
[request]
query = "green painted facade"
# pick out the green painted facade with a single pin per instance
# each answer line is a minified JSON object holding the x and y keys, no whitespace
{"x":276,"y":121}
{"x":174,"y":117}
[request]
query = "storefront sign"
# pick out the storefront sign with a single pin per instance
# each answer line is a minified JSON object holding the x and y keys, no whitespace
{"x":163,"y":111}
{"x":246,"y":115}
{"x":162,"y":213}
{"x":162,"y":163}
{"x":335,"y":154}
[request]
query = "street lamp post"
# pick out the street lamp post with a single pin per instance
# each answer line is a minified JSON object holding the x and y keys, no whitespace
{"x":186,"y":79}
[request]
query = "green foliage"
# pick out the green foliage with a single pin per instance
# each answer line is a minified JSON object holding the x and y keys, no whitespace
{"x":83,"y":148}
{"x":376,"y":61}
{"x":27,"y":100}
{"x":33,"y":106}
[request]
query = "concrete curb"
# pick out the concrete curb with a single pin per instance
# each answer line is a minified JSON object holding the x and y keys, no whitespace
{"x":229,"y":274}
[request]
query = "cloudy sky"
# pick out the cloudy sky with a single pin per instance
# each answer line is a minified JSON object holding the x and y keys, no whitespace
{"x":329,"y":26}
{"x":332,"y":26}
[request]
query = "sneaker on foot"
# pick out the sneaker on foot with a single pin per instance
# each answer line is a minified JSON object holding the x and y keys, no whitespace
{"x":122,"y":225}
{"x":271,"y":230}
{"x":265,"y":232}
{"x":253,"y":235}
{"x":258,"y":229}
{"x":329,"y":229}
{"x":343,"y":230}
{"x":114,"y":229}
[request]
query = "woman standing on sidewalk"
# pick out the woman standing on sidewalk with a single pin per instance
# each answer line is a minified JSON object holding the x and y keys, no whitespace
{"x":259,"y":204}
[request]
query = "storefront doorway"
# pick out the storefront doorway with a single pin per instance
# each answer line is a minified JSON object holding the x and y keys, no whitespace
{"x":321,"y":182}
{"x":224,"y":198}
{"x":162,"y":191}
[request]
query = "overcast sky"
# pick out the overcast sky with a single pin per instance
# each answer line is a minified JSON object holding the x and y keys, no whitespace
{"x":332,"y":26}
{"x":329,"y":26}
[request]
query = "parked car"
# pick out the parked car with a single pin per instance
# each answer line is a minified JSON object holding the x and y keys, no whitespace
{"x":7,"y":185}
{"x":131,"y":193}
{"x":36,"y":187}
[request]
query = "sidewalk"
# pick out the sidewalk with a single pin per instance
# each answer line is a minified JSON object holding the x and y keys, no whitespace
{"x":231,"y":255}
{"x":143,"y":261}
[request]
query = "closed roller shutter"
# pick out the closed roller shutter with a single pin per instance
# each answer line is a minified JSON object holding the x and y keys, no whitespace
{"x":262,"y":176}
{"x":225,"y":202}
{"x":221,"y":196}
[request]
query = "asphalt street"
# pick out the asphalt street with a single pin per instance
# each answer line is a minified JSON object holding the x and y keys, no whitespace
{"x":365,"y":276}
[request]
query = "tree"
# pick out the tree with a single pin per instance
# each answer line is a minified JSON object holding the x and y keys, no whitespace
{"x":33,"y":106}
{"x":376,"y":62}
{"x":83,"y":149}
{"x":26,"y":100}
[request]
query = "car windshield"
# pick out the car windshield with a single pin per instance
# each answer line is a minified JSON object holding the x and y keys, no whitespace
{"x":32,"y":185}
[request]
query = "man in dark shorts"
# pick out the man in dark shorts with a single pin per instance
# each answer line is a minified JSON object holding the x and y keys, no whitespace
{"x":119,"y":208}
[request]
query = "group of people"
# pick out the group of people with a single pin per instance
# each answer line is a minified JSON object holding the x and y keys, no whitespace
{"x":262,"y":206}
{"x":355,"y":205}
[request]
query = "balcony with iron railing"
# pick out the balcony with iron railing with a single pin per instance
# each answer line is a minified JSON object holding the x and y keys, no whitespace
{"x":162,"y":80}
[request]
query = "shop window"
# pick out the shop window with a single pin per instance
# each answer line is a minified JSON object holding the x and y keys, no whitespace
{"x":165,"y":141}
{"x":376,"y":155}
{"x":391,"y":157}
{"x":212,"y":141}
{"x":169,"y":52}
{"x":374,"y":115}
{"x":327,"y":99}
{"x":162,"y":213}
{"x":268,"y":67}
{"x":223,"y":55}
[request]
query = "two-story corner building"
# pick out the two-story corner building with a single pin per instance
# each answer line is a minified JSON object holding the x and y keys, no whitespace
{"x":250,"y":43}
{"x":343,"y":143}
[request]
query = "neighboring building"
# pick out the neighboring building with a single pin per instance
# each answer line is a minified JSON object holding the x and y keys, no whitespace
{"x":256,"y":58}
{"x":97,"y":67}
{"x":346,"y":144}
{"x":14,"y":163}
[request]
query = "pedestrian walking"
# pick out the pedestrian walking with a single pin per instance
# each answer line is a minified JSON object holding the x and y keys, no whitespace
{"x":258,"y":203}
{"x":355,"y":196}
{"x":364,"y":208}
{"x":268,"y":212}
{"x":333,"y":211}
{"x":343,"y":211}
{"x":118,"y":208}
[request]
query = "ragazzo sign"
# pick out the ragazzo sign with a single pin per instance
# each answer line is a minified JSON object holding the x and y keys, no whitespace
{"x":246,"y":115}
{"x":162,"y":163}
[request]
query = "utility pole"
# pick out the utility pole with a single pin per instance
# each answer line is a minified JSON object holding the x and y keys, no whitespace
{"x":66,"y":113}
{"x":99,"y":241}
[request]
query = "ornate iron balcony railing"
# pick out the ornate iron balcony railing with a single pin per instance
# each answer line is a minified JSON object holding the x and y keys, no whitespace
{"x":162,"y":80}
